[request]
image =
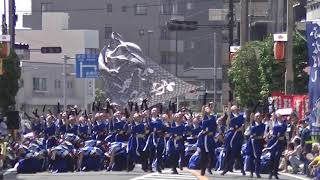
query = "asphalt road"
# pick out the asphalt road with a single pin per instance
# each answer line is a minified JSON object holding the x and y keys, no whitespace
{"x":138,"y":175}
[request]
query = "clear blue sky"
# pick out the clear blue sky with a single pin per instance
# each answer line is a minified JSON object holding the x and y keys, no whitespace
{"x":22,"y":7}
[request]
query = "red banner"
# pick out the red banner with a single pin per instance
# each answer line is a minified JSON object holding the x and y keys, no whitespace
{"x":299,"y":103}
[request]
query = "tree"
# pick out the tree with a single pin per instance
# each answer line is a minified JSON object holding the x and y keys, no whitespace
{"x":9,"y":81}
{"x":255,"y":73}
{"x":100,"y":96}
{"x":300,"y":62}
{"x":244,"y":75}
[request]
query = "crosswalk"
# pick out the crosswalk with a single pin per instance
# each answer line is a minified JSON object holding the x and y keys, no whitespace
{"x":166,"y":175}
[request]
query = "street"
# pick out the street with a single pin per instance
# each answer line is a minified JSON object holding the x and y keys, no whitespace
{"x":186,"y":174}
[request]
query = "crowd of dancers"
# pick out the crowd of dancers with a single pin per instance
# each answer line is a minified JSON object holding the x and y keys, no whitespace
{"x":116,"y":139}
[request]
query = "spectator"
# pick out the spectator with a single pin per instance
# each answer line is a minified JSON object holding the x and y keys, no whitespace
{"x":3,"y":128}
{"x":306,"y":143}
{"x":315,"y":163}
{"x":290,"y":149}
{"x":295,"y":155}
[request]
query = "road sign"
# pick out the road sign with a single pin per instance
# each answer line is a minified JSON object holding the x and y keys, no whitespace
{"x":5,"y":38}
{"x":87,"y":66}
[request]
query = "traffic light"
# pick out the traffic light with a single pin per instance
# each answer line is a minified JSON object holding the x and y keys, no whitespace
{"x":21,"y":46}
{"x":177,"y":25}
{"x":51,"y":50}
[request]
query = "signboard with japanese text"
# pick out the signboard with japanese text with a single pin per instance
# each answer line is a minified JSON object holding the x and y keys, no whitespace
{"x":87,"y":66}
{"x":313,"y":42}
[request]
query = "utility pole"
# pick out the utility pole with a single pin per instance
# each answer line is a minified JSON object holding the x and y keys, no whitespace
{"x":244,"y":22}
{"x":230,"y":27}
{"x":65,"y":58}
{"x":12,"y":23}
{"x":215,"y":57}
{"x":4,"y":23}
{"x":289,"y":66}
{"x":176,"y":53}
{"x":230,"y":24}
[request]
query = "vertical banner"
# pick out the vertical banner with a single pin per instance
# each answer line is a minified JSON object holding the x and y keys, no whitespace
{"x":313,"y":41}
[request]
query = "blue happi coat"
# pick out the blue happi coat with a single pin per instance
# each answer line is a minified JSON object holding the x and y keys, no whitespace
{"x":137,"y":140}
{"x":256,"y":142}
{"x":206,"y":136}
{"x":175,"y":143}
{"x":234,"y":137}
{"x":277,"y":142}
{"x":156,"y":139}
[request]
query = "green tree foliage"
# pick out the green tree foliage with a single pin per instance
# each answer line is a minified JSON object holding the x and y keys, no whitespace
{"x":300,"y":55}
{"x":255,"y":74}
{"x":244,"y":75}
{"x":272,"y":72}
{"x":9,"y":81}
{"x":100,"y":96}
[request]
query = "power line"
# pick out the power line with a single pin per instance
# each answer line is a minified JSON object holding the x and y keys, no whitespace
{"x":133,"y":6}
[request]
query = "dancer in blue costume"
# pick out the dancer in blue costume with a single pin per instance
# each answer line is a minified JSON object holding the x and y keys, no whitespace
{"x":255,"y":144}
{"x":206,"y":142}
{"x":175,"y":146}
{"x":233,"y":141}
{"x":276,"y":145}
{"x":136,"y":144}
{"x":156,"y":140}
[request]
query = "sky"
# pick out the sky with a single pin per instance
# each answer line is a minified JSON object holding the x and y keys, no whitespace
{"x":22,"y":7}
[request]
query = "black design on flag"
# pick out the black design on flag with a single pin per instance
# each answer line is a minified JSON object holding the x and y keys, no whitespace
{"x":130,"y":75}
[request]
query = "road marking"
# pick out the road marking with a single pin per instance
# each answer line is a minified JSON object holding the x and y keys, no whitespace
{"x":295,"y":176}
{"x":197,"y":174}
{"x":166,"y":175}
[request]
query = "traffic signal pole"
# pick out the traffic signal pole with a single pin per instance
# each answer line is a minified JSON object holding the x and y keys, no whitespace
{"x":289,"y":87}
{"x":12,"y":23}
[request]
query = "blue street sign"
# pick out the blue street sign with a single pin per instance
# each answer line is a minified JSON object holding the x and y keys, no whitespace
{"x":87,"y":66}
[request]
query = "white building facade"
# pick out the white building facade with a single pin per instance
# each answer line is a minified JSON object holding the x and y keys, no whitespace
{"x":313,"y":10}
{"x":42,"y":78}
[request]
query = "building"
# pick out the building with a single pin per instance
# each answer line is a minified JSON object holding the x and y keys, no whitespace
{"x":313,"y":10}
{"x":42,"y":74}
{"x":144,"y":23}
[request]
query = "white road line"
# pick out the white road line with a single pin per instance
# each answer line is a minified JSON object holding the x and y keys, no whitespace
{"x":166,"y":175}
{"x":295,"y":176}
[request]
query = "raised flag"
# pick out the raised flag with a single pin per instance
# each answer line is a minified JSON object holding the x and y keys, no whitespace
{"x":129,"y":75}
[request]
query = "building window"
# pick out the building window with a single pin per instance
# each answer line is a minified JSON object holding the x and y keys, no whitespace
{"x":165,"y":58}
{"x":189,"y":6}
{"x":107,"y":32}
{"x":140,"y":9}
{"x":45,"y":7}
{"x":40,"y":84}
{"x":57,"y":84}
{"x":175,"y":8}
{"x":166,"y":8}
{"x":69,"y":85}
{"x":192,"y":44}
{"x":165,"y":34}
{"x":91,"y":51}
{"x":109,"y":7}
{"x":124,"y":8}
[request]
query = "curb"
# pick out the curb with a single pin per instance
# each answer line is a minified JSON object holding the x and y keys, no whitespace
{"x":197,"y":174}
